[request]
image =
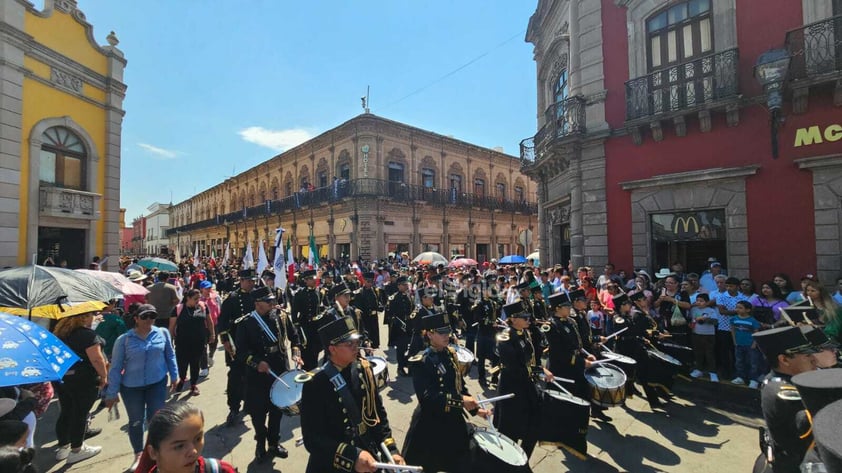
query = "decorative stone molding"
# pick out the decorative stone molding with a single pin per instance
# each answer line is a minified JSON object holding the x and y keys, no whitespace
{"x":704,"y":121}
{"x":691,"y":177}
{"x":680,"y":125}
{"x":657,"y":131}
{"x":66,"y":80}
{"x":732,"y":114}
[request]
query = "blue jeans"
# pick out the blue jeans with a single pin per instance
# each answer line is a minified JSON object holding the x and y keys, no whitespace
{"x":748,"y":362}
{"x":141,"y":402}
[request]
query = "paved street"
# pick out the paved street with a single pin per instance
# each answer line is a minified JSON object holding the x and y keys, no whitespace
{"x":689,"y":437}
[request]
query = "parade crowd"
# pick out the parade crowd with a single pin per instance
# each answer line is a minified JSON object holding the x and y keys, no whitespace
{"x":557,"y":345}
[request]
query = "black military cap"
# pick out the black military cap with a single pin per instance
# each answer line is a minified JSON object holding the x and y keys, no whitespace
{"x":262,"y":294}
{"x":439,"y":322}
{"x":267,"y":273}
{"x":307,"y":274}
{"x":801,"y":313}
{"x":401,"y":280}
{"x":340,"y":330}
{"x":817,"y":338}
{"x":368,"y":275}
{"x":637,"y":296}
{"x":819,"y":388}
{"x":578,"y":294}
{"x":782,"y":341}
{"x":558,"y":300}
{"x":522,"y":286}
{"x":426,"y":292}
{"x":327,"y":274}
{"x":516,"y":310}
{"x":339,"y":289}
{"x":620,"y":299}
{"x":247,"y":274}
{"x":826,"y":433}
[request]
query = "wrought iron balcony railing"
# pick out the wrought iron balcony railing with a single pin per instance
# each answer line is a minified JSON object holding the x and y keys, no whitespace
{"x":683,"y":86}
{"x":364,"y":188}
{"x":816,"y":48}
{"x":561,"y":120}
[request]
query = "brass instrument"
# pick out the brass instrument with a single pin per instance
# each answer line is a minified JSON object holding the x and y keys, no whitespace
{"x":545,"y":325}
{"x":503,"y":336}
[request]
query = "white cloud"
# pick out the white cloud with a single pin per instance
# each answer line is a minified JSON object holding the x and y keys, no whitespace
{"x":278,"y":140}
{"x":159,"y":152}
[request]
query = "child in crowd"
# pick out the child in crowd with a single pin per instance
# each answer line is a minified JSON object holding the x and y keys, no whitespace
{"x":596,"y":318}
{"x":747,"y":365}
{"x":704,"y":320}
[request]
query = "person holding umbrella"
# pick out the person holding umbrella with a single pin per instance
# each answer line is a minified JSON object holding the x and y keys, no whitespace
{"x":140,"y":362}
{"x":80,"y":386}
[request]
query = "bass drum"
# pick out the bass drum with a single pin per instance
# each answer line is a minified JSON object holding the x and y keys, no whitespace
{"x":564,"y":422}
{"x":286,"y":393}
{"x":661,"y":368}
{"x":493,"y":451}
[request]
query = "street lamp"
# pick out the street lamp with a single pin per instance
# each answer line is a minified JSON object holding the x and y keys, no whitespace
{"x":770,"y":71}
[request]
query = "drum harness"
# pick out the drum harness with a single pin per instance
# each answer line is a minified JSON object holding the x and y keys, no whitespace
{"x":277,"y":343}
{"x":359,"y":424}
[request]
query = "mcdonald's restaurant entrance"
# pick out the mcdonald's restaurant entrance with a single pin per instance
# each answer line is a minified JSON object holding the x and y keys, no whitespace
{"x":689,"y":238}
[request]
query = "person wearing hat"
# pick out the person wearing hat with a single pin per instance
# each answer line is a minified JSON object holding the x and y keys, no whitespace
{"x":786,"y":438}
{"x":326,"y":289}
{"x":828,"y":441}
{"x":267,"y":277}
{"x":398,"y":310}
{"x":517,"y":418}
{"x":485,"y":312}
{"x":262,"y":340}
{"x":464,"y":301}
{"x":236,"y":307}
{"x":342,"y":394}
{"x":306,"y":313}
{"x":438,"y":438}
{"x":367,"y":300}
{"x":579,"y":314}
{"x":564,"y":344}
{"x":425,"y":297}
{"x":827,"y":355}
{"x":341,"y":295}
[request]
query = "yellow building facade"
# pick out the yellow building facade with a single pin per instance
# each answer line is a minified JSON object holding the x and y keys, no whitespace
{"x":61,"y":113}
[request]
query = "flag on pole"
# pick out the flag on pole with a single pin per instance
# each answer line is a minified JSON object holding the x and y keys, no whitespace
{"x":313,"y":259}
{"x":178,"y":254}
{"x":196,"y":255}
{"x":278,"y":264}
{"x":262,"y":259}
{"x":227,"y":254}
{"x":290,"y":261}
{"x":248,"y":258}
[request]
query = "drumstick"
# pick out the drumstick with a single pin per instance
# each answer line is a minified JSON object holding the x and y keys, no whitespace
{"x":390,"y":466}
{"x":495,"y":399}
{"x":605,"y":360}
{"x":558,"y":378}
{"x":491,"y":423}
{"x":618,"y":332}
{"x":279,"y":378}
{"x":388,"y":455}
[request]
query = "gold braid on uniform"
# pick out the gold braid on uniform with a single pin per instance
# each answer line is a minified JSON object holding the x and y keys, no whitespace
{"x":369,"y":414}
{"x":455,"y":360}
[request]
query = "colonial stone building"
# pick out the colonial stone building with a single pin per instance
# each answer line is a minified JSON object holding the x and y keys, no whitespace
{"x":364,"y":189}
{"x":61,"y":99}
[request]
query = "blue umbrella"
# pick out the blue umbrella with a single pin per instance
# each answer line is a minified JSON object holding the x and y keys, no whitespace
{"x":158,"y":263}
{"x":31,"y":354}
{"x":512,"y":259}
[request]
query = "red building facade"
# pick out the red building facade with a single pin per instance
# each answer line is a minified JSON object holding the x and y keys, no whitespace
{"x":685,"y":133}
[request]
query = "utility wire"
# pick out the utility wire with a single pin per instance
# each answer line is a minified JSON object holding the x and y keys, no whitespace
{"x":463,"y":66}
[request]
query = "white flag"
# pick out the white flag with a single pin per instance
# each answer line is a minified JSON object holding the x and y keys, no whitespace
{"x":262,"y":259}
{"x":279,"y":264}
{"x":227,"y":254}
{"x":196,"y":255}
{"x":177,"y":254}
{"x":248,"y":258}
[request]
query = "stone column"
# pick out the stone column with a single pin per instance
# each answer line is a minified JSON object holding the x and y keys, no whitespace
{"x":577,"y":238}
{"x":544,"y":230}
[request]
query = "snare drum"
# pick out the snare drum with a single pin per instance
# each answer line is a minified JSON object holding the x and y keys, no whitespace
{"x":287,"y":396}
{"x":496,"y":452}
{"x":661,"y":368}
{"x":464,"y":358}
{"x":607,"y":383}
{"x":626,"y":363}
{"x":564,"y":422}
{"x":681,"y":353}
{"x":380,"y":370}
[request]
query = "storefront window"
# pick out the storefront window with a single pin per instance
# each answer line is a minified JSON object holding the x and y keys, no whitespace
{"x":689,"y":238}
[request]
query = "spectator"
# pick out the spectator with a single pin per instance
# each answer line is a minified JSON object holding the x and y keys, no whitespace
{"x":708,"y":279}
{"x":704,"y":337}
{"x":606,"y":297}
{"x":795,"y":297}
{"x":596,"y":318}
{"x":747,"y":288}
{"x":164,"y":296}
{"x":213,"y":302}
{"x":678,"y":269}
{"x":726,"y":303}
{"x":79,"y":388}
{"x":784,"y":283}
{"x":641,"y":283}
{"x":694,"y":279}
{"x":546,"y":285}
{"x":586,"y":284}
{"x":837,"y":295}
{"x":748,"y":362}
{"x":141,"y":360}
{"x":607,"y":277}
{"x":111,"y":327}
{"x":693,"y":287}
{"x":671,"y":297}
{"x":768,"y":304}
{"x":829,"y":312}
{"x":191,"y":328}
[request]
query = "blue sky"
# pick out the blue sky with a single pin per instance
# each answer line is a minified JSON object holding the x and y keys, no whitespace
{"x":215,"y":87}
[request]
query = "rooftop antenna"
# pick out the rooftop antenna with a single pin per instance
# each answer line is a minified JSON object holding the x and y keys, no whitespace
{"x":365,"y":99}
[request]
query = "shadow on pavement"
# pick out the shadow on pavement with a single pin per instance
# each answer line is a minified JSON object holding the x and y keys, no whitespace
{"x":634,"y":449}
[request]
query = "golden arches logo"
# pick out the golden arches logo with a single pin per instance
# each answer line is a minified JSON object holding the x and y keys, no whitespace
{"x":685,"y":224}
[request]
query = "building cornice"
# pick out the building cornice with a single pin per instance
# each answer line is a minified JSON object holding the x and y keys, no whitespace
{"x":691,"y":177}
{"x":818,"y":162}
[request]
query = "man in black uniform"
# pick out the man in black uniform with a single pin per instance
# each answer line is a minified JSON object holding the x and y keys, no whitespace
{"x":306,"y":312}
{"x":465,"y":301}
{"x":425,"y":297}
{"x":787,"y":431}
{"x":236,"y":307}
{"x":268,"y":278}
{"x":818,"y":389}
{"x":262,"y":346}
{"x":398,"y":310}
{"x":367,"y":300}
{"x":485,"y":313}
{"x":343,"y":421}
{"x":325,"y":290}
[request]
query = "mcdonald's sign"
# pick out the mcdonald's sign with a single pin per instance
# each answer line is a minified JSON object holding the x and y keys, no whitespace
{"x":686,"y":226}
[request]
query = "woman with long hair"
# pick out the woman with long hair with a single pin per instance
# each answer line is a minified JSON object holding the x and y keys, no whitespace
{"x":671,"y":296}
{"x":191,"y":327}
{"x":829,"y":312}
{"x":80,"y":386}
{"x":770,"y":298}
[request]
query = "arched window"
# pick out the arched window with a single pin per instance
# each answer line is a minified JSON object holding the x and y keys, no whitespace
{"x":428,"y":178}
{"x":479,"y":187}
{"x":501,"y":190}
{"x":561,"y":89}
{"x":63,"y":159}
{"x":679,"y":33}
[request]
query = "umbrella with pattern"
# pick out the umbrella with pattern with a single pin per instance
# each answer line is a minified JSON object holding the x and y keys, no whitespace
{"x":30,"y":353}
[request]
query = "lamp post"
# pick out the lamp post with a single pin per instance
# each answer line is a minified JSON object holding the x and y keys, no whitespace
{"x":770,"y":71}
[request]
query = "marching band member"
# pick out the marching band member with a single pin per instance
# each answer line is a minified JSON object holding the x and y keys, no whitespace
{"x":438,"y":438}
{"x":517,"y":417}
{"x":262,"y":346}
{"x":634,"y":342}
{"x":343,"y":421}
{"x":398,"y":310}
{"x":236,"y":307}
{"x":425,"y":297}
{"x":485,"y":313}
{"x":367,"y":299}
{"x":305,"y":313}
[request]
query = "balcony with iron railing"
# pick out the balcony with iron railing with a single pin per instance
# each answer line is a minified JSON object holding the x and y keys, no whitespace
{"x":816,"y":51}
{"x":364,"y":188}
{"x":564,"y":121}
